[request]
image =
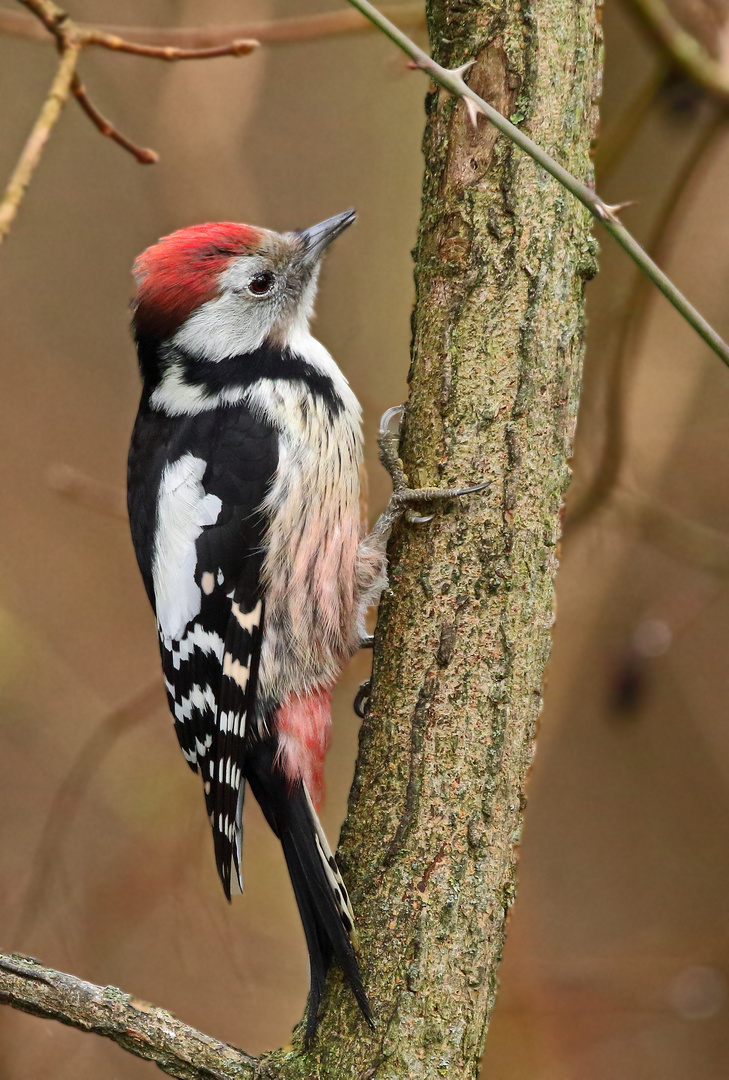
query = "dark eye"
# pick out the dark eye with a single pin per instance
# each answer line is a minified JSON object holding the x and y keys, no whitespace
{"x":261,"y":283}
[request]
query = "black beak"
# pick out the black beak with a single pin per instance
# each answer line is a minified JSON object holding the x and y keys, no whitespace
{"x":319,"y":237}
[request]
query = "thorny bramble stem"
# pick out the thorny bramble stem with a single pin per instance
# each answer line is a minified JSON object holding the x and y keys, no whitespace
{"x":453,"y":81}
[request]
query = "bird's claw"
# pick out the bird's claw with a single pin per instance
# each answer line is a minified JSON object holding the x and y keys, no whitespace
{"x":403,"y":497}
{"x":362,"y":699}
{"x":388,"y":416}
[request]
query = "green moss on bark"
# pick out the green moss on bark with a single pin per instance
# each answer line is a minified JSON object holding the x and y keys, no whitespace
{"x":429,"y":846}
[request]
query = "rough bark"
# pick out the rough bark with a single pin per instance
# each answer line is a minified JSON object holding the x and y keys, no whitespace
{"x":429,"y":846}
{"x":142,"y":1029}
{"x":430,"y":842}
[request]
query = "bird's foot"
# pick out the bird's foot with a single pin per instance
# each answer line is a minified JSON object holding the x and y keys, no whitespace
{"x":404,"y":498}
{"x":362,"y":699}
{"x":402,"y":501}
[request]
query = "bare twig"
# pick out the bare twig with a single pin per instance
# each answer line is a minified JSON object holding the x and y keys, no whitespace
{"x":49,"y":22}
{"x":61,"y":26}
{"x":606,"y":475}
{"x":600,"y":210}
{"x":50,"y":15}
{"x":236,"y":47}
{"x":23,"y":26}
{"x":613,"y":143}
{"x":52,"y":22}
{"x":58,"y":23}
{"x":689,"y":541}
{"x":279,"y":32}
{"x":71,"y":790}
{"x":681,"y":49}
{"x":33,"y":149}
{"x":143,"y":1030}
{"x":144,"y":155}
{"x":85,"y":489}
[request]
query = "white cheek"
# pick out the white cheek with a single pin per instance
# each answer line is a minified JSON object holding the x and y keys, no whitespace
{"x":229,"y":325}
{"x":308,"y":296}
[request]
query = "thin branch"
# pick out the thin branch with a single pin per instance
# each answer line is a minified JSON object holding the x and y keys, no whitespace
{"x":453,"y":82}
{"x":681,"y":48}
{"x":689,"y":541}
{"x":48,"y":21}
{"x":236,"y":47}
{"x":334,"y":24}
{"x":143,"y":1030}
{"x":143,"y":154}
{"x":70,"y":792}
{"x":33,"y":149}
{"x":613,"y":143}
{"x":279,"y":32}
{"x":52,"y":22}
{"x":58,"y":23}
{"x":52,"y":17}
{"x":86,"y":490}
{"x":632,"y":329}
{"x":15,"y":24}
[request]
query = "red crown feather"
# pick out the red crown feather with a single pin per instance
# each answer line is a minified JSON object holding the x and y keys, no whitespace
{"x":182,"y":271}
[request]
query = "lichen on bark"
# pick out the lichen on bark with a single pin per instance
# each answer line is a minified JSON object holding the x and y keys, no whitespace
{"x":429,"y":846}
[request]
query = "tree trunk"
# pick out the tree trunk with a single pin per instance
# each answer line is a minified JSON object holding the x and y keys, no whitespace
{"x":429,"y":845}
{"x":463,"y":635}
{"x":464,"y":631}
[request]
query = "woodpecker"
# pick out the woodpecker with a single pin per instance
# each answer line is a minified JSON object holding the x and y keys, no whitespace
{"x":243,"y":495}
{"x":244,"y":505}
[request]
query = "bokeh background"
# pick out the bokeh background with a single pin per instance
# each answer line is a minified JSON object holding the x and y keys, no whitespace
{"x":617,"y":960}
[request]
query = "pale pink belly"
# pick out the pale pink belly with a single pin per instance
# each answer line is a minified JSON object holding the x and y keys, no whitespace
{"x":322,"y":623}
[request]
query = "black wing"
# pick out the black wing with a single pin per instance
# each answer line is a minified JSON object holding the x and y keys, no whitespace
{"x":225,"y":459}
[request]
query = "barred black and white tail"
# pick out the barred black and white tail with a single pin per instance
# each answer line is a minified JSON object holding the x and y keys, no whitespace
{"x":320,"y":894}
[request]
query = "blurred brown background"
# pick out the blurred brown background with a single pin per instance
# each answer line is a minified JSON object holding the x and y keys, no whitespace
{"x":617,"y":963}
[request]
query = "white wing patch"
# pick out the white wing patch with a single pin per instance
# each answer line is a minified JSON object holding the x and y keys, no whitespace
{"x":183,"y":510}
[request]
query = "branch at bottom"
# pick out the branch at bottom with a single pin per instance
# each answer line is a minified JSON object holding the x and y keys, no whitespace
{"x":141,"y":1029}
